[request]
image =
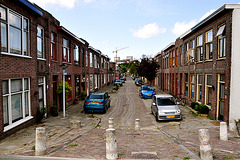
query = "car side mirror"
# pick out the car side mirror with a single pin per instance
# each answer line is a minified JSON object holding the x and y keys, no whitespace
{"x":154,"y":104}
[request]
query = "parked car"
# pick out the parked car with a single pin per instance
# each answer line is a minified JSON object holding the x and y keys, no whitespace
{"x":146,"y":91}
{"x":98,"y":102}
{"x":165,"y":107}
{"x":138,"y":82}
{"x":118,"y":82}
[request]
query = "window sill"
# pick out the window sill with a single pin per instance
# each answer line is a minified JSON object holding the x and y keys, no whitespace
{"x":69,"y":63}
{"x":15,"y":124}
{"x":41,"y":59}
{"x":55,"y":61}
{"x":208,"y":60}
{"x":220,"y":59}
{"x":15,"y":55}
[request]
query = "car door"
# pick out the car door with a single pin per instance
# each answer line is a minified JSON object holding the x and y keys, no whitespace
{"x":154,"y":106}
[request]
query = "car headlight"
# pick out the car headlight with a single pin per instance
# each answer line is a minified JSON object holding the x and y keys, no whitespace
{"x":178,"y":111}
{"x":160,"y":112}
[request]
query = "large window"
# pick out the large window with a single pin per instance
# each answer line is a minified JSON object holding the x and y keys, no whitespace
{"x":200,"y":48}
{"x":186,"y":85}
{"x":86,"y":59}
{"x":191,"y":51}
{"x":209,"y":45}
{"x":16,"y":100}
{"x":14,"y":32}
{"x":192,"y":86}
{"x":53,"y":46}
{"x":66,"y":51}
{"x":199,"y":87}
{"x":91,"y":59}
{"x":42,"y":92}
{"x":40,"y":42}
{"x":221,"y":34}
{"x":83,"y":57}
{"x":76,"y":55}
{"x":95,"y":61}
{"x":186,"y":53}
{"x":208,"y":90}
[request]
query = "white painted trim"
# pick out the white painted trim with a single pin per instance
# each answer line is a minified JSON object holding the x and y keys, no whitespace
{"x":15,"y":124}
{"x":16,"y":55}
{"x":234,"y":111}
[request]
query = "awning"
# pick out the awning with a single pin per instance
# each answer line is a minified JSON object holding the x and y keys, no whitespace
{"x":220,"y":31}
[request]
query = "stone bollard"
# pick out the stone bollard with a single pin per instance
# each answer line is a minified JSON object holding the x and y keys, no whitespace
{"x":205,"y":147}
{"x":40,"y":146}
{"x":232,"y":125}
{"x":137,"y":124}
{"x":111,"y":144}
{"x":110,"y":122}
{"x":75,"y":124}
{"x":223,"y":131}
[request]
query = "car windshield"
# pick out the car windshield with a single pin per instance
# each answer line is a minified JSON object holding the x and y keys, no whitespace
{"x":166,"y":101}
{"x":95,"y":96}
{"x":147,"y":88}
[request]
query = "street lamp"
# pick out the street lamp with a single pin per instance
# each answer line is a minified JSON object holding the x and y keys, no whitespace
{"x":64,"y":66}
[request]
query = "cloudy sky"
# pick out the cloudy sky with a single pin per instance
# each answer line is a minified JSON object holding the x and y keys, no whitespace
{"x":144,"y":26}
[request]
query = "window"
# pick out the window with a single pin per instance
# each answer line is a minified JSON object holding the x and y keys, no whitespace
{"x":91,"y":82}
{"x":186,"y":85}
{"x":53,"y":46}
{"x":40,"y":51}
{"x":68,"y":80}
{"x":66,"y":49}
{"x":95,"y":61}
{"x":91,"y":59}
{"x":16,"y":100}
{"x":83,"y":57}
{"x":76,"y":55}
{"x":186,"y":53}
{"x":192,"y":86}
{"x":177,"y":55}
{"x":14,"y":32}
{"x":86,"y":59}
{"x":208,"y":90}
{"x":96,"y":81}
{"x":199,"y":87}
{"x":209,"y":45}
{"x":191,"y":51}
{"x":182,"y":57}
{"x":200,"y":48}
{"x":221,"y":34}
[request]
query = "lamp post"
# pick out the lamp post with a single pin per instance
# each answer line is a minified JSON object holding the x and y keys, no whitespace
{"x":64,"y":66}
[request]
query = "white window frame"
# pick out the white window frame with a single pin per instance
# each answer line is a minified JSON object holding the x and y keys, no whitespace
{"x":6,"y":22}
{"x":43,"y":54}
{"x":9,"y":95}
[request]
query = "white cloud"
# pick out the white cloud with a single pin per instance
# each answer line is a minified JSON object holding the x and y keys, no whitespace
{"x":148,"y":31}
{"x":61,"y":3}
{"x":181,"y":27}
{"x":206,"y":15}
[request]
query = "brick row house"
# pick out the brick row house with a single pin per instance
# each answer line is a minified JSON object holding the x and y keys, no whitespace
{"x":202,"y":65}
{"x":33,"y":46}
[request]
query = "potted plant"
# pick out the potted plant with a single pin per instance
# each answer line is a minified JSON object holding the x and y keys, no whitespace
{"x":83,"y":95}
{"x":40,"y":114}
{"x":54,"y":110}
{"x":59,"y":91}
{"x":238,"y":126}
{"x":114,"y":88}
{"x":76,"y":100}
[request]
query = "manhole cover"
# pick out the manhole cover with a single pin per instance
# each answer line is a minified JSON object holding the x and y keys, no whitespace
{"x":144,"y":155}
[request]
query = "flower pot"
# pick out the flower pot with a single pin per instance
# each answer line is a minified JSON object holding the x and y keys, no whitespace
{"x":54,"y":111}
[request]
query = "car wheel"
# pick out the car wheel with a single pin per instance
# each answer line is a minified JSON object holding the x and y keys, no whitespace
{"x":156,"y":116}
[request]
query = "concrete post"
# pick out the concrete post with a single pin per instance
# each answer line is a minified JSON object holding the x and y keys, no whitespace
{"x":110,"y":123}
{"x":232,"y":125}
{"x":111,"y":144}
{"x":40,"y":146}
{"x":223,"y":131}
{"x":137,"y":124}
{"x":205,"y":147}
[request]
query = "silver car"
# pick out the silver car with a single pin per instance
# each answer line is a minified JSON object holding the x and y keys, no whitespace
{"x":165,"y":107}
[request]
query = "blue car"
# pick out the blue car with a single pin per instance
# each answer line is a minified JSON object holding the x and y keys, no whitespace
{"x":146,"y":91}
{"x":97,"y":102}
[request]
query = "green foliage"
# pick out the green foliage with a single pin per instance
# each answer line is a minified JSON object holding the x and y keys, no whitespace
{"x":186,"y":158}
{"x":200,"y":108}
{"x":68,"y":88}
{"x":123,"y":69}
{"x":33,"y":148}
{"x":115,"y":88}
{"x":237,"y":137}
{"x":73,"y":145}
{"x":83,"y":95}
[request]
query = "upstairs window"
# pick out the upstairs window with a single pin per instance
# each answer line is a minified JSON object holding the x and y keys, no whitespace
{"x":66,"y":49}
{"x":200,"y":48}
{"x":40,"y":34}
{"x":91,"y":59}
{"x":221,"y":34}
{"x":209,"y":45}
{"x":14,"y":32}
{"x":53,"y":46}
{"x":76,"y":55}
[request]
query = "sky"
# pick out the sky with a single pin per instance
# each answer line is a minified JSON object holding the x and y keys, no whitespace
{"x":139,"y":26}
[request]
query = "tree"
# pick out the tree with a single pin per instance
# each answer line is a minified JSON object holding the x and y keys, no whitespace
{"x":123,"y":69}
{"x":148,"y":69}
{"x":133,"y":68}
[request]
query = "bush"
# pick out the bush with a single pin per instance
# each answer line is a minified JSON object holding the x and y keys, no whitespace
{"x":83,"y":95}
{"x":40,"y":114}
{"x":203,"y":109}
{"x":193,"y":105}
{"x":115,"y":88}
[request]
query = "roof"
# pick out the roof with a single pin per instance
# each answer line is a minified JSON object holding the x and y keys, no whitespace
{"x":71,"y":34}
{"x":168,"y":46}
{"x":98,"y":51}
{"x":32,"y":7}
{"x":214,"y":14}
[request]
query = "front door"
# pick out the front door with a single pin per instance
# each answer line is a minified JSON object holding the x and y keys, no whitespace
{"x":221,"y":101}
